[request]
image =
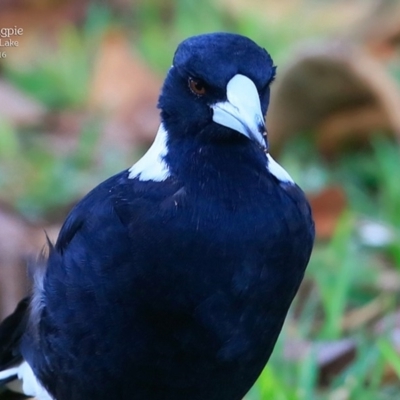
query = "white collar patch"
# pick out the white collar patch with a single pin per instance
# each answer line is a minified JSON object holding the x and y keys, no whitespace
{"x":152,"y":166}
{"x":25,"y":382}
{"x":279,"y":172}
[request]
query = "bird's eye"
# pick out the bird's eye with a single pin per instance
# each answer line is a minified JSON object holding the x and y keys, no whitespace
{"x":197,"y":87}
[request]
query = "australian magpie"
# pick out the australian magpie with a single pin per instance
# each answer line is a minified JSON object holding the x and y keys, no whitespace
{"x":171,"y":280}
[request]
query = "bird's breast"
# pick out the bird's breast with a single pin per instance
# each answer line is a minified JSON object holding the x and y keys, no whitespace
{"x":243,"y":242}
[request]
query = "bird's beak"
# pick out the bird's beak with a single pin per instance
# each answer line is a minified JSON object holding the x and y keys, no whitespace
{"x":242,"y":110}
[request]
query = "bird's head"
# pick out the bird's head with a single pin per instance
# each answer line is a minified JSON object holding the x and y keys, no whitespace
{"x":218,"y":86}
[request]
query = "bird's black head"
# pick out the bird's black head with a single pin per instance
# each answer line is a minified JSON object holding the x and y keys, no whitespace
{"x":218,"y":86}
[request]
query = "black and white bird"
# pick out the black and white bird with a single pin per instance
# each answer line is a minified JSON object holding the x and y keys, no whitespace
{"x":171,"y":280}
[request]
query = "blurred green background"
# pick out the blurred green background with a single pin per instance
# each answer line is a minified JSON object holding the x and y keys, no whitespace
{"x":78,"y":101}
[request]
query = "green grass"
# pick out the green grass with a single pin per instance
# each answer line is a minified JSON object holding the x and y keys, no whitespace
{"x":344,"y":274}
{"x":46,"y":181}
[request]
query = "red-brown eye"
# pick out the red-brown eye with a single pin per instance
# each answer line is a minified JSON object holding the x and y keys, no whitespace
{"x":197,"y":87}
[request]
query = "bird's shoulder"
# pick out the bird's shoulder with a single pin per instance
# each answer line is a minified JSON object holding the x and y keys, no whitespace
{"x":113,"y":206}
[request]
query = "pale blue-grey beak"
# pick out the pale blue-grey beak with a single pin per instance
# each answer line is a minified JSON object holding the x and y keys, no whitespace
{"x":242,"y":110}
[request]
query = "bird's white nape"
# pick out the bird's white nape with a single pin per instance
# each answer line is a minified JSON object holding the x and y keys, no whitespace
{"x":279,"y":172}
{"x":152,"y":166}
{"x":26,"y":382}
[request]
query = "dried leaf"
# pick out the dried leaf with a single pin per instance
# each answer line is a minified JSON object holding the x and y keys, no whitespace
{"x":337,"y":91}
{"x":127,"y":90}
{"x":368,"y":313}
{"x":18,"y":242}
{"x":327,"y":207}
{"x":380,"y":29}
{"x":332,"y":357}
{"x":14,"y":239}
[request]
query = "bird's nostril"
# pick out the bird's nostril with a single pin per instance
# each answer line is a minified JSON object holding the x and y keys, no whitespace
{"x":260,"y":124}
